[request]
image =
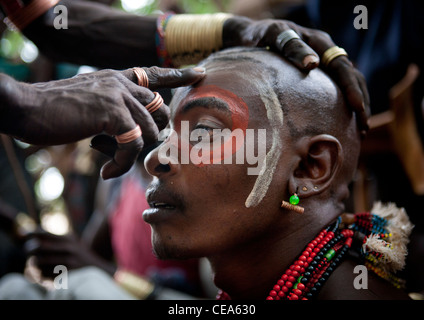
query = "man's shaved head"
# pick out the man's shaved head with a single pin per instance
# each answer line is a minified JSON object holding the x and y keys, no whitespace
{"x":311,"y":103}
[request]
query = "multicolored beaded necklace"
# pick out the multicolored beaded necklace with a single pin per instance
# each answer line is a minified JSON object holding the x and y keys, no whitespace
{"x":308,"y":273}
{"x":371,"y":226}
{"x":304,"y":278}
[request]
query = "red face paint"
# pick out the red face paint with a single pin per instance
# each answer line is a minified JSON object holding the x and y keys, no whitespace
{"x":239,"y":116}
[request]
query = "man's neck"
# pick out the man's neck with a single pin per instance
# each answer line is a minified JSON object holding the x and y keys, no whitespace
{"x":251,"y":271}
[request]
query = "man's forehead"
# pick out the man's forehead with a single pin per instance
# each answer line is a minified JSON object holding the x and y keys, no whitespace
{"x":220,"y":83}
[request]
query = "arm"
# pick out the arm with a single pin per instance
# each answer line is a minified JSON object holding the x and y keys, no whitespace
{"x":101,"y":36}
{"x":105,"y":37}
{"x":107,"y":101}
{"x":97,"y":35}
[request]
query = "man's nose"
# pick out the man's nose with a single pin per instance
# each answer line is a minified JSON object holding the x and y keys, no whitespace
{"x":160,"y":165}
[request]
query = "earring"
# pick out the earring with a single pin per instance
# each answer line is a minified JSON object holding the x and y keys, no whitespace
{"x":293,"y":204}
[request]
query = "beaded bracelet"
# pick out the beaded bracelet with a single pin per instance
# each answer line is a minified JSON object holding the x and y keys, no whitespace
{"x":161,"y":23}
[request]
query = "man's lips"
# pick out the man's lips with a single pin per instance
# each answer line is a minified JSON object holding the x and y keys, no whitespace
{"x":163,"y":203}
{"x":160,"y":197}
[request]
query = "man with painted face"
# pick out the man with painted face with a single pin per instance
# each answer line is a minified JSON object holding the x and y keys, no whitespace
{"x":258,"y":247}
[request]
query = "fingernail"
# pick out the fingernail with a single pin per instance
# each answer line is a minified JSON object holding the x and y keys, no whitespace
{"x":310,"y":61}
{"x":199,"y":69}
{"x":102,"y":174}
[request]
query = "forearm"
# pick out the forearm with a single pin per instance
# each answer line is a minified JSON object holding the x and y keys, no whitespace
{"x":29,"y":113}
{"x":97,"y":35}
{"x":11,"y":111}
{"x":101,"y":36}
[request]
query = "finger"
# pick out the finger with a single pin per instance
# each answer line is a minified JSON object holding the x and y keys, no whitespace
{"x":365,"y":113}
{"x":347,"y":78}
{"x":104,"y":144}
{"x":350,"y":81}
{"x":363,"y":85}
{"x":129,"y":136}
{"x":288,"y":40}
{"x":168,"y":77}
{"x":107,"y":145}
{"x":318,"y":40}
{"x":125,"y":154}
{"x":124,"y":158}
{"x":301,"y":55}
{"x":145,"y":97}
{"x":136,"y":104}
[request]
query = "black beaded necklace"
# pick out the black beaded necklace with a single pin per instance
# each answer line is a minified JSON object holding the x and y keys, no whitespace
{"x":388,"y":228}
{"x":308,"y":273}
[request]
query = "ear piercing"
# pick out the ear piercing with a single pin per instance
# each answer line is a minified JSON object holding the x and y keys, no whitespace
{"x":293,"y":204}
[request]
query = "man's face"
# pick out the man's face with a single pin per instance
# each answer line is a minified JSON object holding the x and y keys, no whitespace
{"x":208,"y":202}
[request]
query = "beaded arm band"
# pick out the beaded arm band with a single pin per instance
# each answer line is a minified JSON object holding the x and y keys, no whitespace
{"x":20,"y":15}
{"x":186,"y":39}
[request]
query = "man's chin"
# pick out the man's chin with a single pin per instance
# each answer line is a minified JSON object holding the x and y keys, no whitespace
{"x":162,"y":253}
{"x":166,"y":252}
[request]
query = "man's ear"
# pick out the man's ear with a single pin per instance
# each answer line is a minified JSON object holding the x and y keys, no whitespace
{"x":320,"y":157}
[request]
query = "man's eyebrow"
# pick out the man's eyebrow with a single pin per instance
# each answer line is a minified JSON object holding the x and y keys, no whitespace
{"x":206,"y":102}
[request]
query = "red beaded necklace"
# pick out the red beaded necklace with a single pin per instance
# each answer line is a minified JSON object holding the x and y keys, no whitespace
{"x":308,"y":273}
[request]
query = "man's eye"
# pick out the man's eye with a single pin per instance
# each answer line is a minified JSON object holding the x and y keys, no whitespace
{"x":202,"y":133}
{"x":204,"y":129}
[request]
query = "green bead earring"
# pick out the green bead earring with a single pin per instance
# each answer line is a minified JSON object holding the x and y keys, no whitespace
{"x":293,"y":204}
{"x":294,"y":199}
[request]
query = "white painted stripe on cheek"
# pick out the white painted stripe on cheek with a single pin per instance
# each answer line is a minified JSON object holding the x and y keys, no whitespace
{"x":275,"y":117}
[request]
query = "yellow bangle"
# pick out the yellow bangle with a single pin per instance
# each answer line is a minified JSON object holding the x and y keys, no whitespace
{"x":136,"y":285}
